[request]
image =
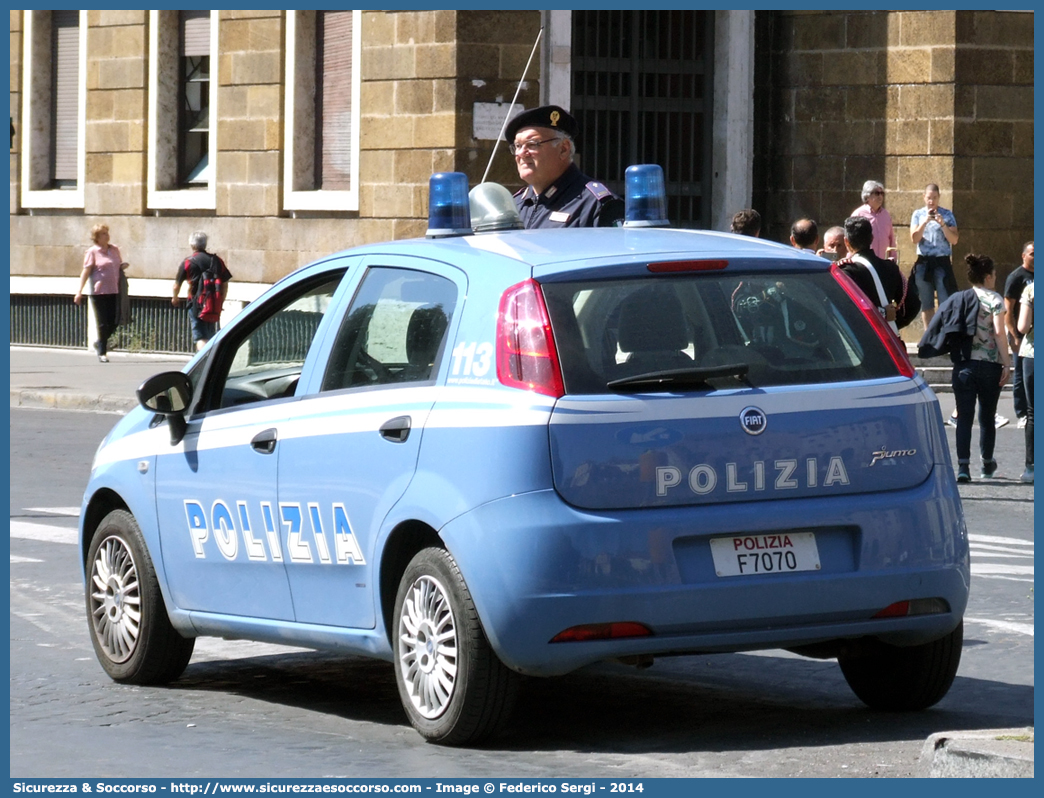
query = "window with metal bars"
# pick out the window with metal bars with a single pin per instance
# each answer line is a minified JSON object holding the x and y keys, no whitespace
{"x":194,"y":98}
{"x":642,"y":93}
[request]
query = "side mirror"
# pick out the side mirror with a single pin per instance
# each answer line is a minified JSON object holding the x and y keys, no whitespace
{"x":168,"y":394}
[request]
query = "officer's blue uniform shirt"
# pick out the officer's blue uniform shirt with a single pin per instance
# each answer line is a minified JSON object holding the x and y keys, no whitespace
{"x":574,"y":200}
{"x":933,"y":243}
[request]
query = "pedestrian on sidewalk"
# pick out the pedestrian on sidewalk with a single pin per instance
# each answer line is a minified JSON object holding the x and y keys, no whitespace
{"x":934,"y":230}
{"x":102,"y":265}
{"x":1026,"y":356}
{"x":193,"y":269}
{"x":982,"y":371}
{"x":1013,"y":288}
{"x":873,"y":208}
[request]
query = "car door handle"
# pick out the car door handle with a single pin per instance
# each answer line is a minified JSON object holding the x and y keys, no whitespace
{"x":397,"y":430}
{"x":265,"y":441}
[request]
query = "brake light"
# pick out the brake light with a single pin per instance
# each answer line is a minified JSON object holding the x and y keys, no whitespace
{"x":526,"y":355}
{"x":902,"y":609}
{"x":601,"y":631}
{"x":688,"y":265}
{"x":896,"y":348}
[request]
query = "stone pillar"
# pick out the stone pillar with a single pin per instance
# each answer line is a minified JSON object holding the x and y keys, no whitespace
{"x":733,"y":116}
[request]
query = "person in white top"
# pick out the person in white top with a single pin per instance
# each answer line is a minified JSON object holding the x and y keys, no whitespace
{"x":1026,"y":356}
{"x":979,"y":379}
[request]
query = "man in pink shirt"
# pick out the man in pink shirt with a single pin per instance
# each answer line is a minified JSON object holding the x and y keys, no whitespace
{"x":880,"y":220}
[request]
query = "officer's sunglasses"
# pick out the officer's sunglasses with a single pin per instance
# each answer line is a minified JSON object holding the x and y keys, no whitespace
{"x":529,"y":146}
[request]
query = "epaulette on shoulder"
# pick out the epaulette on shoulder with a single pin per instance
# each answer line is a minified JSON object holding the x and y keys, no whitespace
{"x":599,"y":190}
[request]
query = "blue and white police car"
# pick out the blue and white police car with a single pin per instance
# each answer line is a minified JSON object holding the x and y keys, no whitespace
{"x":481,"y":455}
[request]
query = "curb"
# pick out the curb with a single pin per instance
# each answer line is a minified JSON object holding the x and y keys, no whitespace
{"x":993,"y":753}
{"x":52,"y":400}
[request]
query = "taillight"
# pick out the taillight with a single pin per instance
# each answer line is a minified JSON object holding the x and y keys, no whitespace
{"x":902,"y":609}
{"x":601,"y":631}
{"x":896,"y":348}
{"x":526,"y":356}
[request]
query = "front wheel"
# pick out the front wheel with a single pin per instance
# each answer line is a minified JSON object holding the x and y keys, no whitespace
{"x":130,"y":629}
{"x":453,"y":686}
{"x":904,"y":679}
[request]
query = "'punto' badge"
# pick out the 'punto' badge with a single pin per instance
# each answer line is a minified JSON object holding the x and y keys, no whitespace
{"x":753,"y":420}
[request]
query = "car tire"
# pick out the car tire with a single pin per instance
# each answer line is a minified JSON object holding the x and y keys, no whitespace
{"x":129,"y":626}
{"x":454,"y":688}
{"x":904,"y":679}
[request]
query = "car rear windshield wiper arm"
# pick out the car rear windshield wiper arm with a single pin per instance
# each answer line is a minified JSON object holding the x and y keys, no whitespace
{"x":680,"y":378}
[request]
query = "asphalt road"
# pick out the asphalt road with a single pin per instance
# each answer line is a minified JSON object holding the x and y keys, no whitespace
{"x":253,"y":710}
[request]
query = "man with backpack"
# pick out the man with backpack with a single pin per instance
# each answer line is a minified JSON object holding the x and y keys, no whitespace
{"x":208,"y":278}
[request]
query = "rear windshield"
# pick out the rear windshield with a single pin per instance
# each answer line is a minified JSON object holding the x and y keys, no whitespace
{"x":786,"y":329}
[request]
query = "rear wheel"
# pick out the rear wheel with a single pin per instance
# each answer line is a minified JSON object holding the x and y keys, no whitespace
{"x":130,"y":629}
{"x":453,"y":686}
{"x":904,"y":679}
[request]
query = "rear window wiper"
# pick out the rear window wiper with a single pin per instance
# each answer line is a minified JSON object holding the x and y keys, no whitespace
{"x":680,"y":378}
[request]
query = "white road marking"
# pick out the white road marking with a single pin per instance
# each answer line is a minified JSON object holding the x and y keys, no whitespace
{"x":72,"y":512}
{"x":990,"y":568}
{"x":1008,"y":578}
{"x":44,"y":532}
{"x":996,"y":539}
{"x":15,"y":558}
{"x":995,"y":547}
{"x":1000,"y":551}
{"x":216,"y":649}
{"x":1003,"y":626}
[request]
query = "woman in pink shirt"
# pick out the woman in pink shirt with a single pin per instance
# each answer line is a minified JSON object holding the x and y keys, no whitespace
{"x":880,"y":219}
{"x":102,"y":265}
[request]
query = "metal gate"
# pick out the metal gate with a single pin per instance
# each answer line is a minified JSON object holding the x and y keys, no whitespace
{"x":641,"y":91}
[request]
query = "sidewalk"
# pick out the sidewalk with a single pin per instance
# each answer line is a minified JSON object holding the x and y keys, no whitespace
{"x":71,"y":379}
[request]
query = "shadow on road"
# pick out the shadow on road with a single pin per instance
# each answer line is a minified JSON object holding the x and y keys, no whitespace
{"x":722,"y":702}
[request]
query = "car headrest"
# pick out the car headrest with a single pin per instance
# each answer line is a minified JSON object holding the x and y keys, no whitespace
{"x":424,"y":334}
{"x":652,"y":320}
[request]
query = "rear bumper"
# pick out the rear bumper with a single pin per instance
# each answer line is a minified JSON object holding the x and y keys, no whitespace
{"x":536,"y":566}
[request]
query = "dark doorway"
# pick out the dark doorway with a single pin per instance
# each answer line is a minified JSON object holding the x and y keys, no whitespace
{"x":641,"y":91}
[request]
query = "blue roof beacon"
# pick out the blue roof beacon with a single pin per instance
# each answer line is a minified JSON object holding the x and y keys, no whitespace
{"x":448,"y":210}
{"x":645,"y":197}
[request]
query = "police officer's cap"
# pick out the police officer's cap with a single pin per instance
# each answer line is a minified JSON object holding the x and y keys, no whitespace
{"x":549,"y":116}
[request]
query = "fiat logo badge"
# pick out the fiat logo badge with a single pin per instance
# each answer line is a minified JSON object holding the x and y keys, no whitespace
{"x":753,"y":420}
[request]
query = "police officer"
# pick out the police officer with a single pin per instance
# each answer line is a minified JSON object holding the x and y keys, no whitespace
{"x":557,"y":193}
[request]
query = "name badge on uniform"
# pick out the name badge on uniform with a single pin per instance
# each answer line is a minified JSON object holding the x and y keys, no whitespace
{"x":559,"y":216}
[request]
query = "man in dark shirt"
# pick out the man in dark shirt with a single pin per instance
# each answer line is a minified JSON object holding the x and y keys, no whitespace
{"x":191,"y":270}
{"x":1013,"y":287}
{"x":557,"y":193}
{"x":895,"y":297}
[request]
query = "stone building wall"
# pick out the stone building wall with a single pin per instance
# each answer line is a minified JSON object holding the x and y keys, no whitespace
{"x":993,"y":133}
{"x":906,"y":98}
{"x":410,"y":128}
{"x":903,"y":97}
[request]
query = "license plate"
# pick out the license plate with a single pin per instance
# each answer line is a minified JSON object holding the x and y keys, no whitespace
{"x":747,"y":555}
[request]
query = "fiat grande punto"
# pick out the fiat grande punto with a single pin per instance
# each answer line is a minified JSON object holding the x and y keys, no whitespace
{"x":482,"y":456}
